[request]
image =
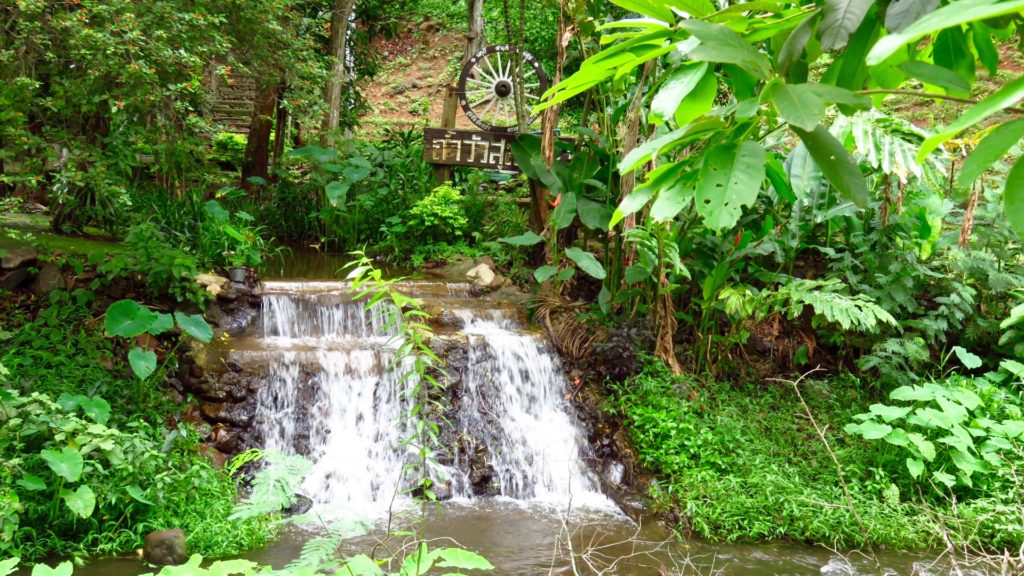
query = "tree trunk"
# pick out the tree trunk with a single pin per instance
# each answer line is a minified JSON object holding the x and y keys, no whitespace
{"x":476,"y":36}
{"x":339,"y":69}
{"x":257,"y":151}
{"x":280,"y":125}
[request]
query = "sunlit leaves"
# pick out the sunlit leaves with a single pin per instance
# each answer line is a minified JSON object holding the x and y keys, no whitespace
{"x":991,"y":148}
{"x":67,"y":463}
{"x":678,"y":86}
{"x":729,"y":180}
{"x":1003,"y":98}
{"x":81,"y":501}
{"x":721,"y":44}
{"x":953,"y":14}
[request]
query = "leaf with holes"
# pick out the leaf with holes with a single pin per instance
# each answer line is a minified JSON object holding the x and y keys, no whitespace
{"x":729,"y":180}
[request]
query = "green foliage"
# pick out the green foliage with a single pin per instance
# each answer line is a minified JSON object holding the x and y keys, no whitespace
{"x":957,"y":433}
{"x":128,"y":319}
{"x":737,"y":478}
{"x":440,"y":215}
{"x":150,"y":260}
{"x":64,"y":474}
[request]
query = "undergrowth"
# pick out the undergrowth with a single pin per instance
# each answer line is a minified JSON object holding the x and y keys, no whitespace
{"x":743,"y":463}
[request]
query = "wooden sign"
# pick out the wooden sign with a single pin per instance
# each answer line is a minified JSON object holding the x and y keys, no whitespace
{"x":451,"y":147}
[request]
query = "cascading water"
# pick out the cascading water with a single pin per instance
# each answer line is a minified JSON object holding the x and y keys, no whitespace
{"x":332,"y":395}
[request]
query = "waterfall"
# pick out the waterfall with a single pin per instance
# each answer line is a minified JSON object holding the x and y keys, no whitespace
{"x":333,"y":395}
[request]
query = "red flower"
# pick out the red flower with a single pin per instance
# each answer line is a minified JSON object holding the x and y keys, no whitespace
{"x":557,"y":201}
{"x":739,"y":238}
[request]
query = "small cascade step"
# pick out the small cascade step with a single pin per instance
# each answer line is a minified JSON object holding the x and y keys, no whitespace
{"x":333,"y":394}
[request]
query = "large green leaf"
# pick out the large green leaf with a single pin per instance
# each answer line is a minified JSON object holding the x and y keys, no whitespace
{"x":936,"y":76}
{"x":672,"y":198}
{"x":82,"y":501}
{"x":650,"y":8}
{"x":587,"y":262}
{"x":128,"y":319}
{"x":524,"y":239}
{"x":990,"y":150}
{"x":730,"y":179}
{"x":903,"y":13}
{"x":840,"y":18}
{"x":1013,"y":197}
{"x":804,"y":174}
{"x":195,"y":326}
{"x":143,"y":362}
{"x":67,"y":463}
{"x":869,"y":429}
{"x":721,"y":44}
{"x":798,"y":104}
{"x":1003,"y":98}
{"x":462,"y":559}
{"x":953,"y":14}
{"x":678,"y":86}
{"x":9,"y":565}
{"x":630,"y":204}
{"x":62,"y":569}
{"x":836,"y":163}
{"x":951,"y":51}
{"x":544,"y":272}
{"x":337,"y":192}
{"x":593,"y":215}
{"x":796,"y":42}
{"x":31,"y":483}
{"x":565,"y":212}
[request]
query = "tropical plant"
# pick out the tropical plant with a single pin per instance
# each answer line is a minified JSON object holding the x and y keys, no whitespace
{"x":129,"y":319}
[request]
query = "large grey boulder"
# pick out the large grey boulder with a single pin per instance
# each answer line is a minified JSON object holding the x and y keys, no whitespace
{"x":165,"y":547}
{"x":17,"y":256}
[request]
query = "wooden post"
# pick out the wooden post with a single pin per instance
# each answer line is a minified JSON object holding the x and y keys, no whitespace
{"x":443,"y":174}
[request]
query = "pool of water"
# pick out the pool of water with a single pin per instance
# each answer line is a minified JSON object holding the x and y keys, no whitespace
{"x":522,"y":540}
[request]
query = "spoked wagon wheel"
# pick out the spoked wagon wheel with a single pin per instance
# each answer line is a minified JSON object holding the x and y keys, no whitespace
{"x":487,"y":87}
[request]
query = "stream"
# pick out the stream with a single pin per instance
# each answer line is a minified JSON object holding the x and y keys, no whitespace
{"x":517,"y":477}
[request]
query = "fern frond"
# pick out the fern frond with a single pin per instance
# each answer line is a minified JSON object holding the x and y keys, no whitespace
{"x":828,"y":300}
{"x":274,"y":486}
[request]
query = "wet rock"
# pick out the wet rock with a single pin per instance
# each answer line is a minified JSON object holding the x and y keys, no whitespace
{"x":239,"y":415}
{"x":227,"y":440}
{"x":17,"y":257}
{"x":49,"y":280}
{"x":301,"y":506}
{"x":13,"y":278}
{"x":217,"y":458}
{"x":613,"y":472}
{"x":481,"y":275}
{"x":165,"y":547}
{"x":234,"y":366}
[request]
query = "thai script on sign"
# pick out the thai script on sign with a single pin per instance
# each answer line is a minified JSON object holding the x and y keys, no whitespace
{"x":469,"y":148}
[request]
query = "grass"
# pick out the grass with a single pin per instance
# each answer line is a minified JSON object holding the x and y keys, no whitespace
{"x":743,"y":463}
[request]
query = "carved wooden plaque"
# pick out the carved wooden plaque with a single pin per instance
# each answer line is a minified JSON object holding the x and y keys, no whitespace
{"x":451,"y":147}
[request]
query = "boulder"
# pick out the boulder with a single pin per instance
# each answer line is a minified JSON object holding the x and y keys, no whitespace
{"x":11,"y":279}
{"x":17,"y":256}
{"x":481,"y":275}
{"x":49,"y":280}
{"x":239,"y":415}
{"x":165,"y":547}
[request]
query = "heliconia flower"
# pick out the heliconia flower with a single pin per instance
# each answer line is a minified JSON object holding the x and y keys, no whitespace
{"x":556,"y":202}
